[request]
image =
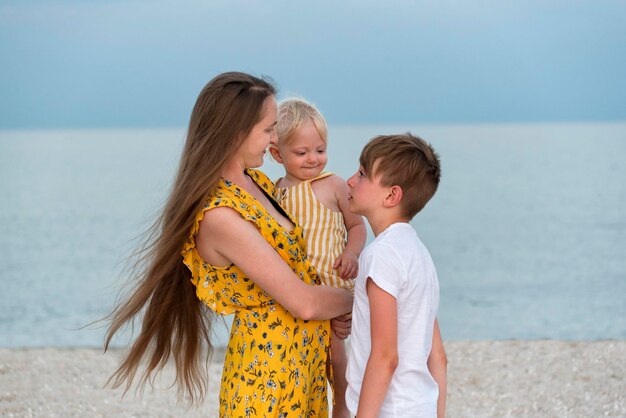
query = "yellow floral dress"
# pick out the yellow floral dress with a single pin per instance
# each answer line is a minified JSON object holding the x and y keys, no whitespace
{"x":275,"y":364}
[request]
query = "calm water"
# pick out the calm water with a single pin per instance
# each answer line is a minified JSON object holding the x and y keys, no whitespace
{"x":528,"y":229}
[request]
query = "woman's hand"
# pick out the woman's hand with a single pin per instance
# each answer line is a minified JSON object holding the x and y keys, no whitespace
{"x":342,"y":325}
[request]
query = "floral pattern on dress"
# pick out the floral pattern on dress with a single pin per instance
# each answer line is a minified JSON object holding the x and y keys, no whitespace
{"x":275,"y":364}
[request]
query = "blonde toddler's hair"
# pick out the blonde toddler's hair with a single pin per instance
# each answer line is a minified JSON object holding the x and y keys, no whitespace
{"x":292,"y":114}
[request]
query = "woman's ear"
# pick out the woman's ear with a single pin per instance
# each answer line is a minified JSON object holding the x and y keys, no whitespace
{"x":394,"y":197}
{"x":275,"y":153}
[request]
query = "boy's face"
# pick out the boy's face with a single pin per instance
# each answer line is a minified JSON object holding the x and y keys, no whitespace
{"x":366,"y":194}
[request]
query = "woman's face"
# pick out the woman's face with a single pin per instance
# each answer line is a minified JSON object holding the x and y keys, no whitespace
{"x":262,"y":134}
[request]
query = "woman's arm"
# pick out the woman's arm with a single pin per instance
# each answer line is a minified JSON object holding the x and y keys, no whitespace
{"x":438,"y":367}
{"x":347,"y":262}
{"x":225,"y":237}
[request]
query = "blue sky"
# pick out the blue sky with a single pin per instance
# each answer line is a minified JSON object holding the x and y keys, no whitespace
{"x":141,"y":63}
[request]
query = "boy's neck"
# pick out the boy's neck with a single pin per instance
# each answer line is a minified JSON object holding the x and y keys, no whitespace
{"x":383,"y":221}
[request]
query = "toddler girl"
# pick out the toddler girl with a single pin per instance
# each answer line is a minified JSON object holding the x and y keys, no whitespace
{"x":319,"y":203}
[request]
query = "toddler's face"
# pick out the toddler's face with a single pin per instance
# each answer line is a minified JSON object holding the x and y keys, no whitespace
{"x":305,"y":156}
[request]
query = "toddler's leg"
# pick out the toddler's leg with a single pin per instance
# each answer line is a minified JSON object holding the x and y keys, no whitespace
{"x":340,"y":362}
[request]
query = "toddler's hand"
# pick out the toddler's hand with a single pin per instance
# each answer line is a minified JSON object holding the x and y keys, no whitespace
{"x":342,"y":325}
{"x":347,"y":264}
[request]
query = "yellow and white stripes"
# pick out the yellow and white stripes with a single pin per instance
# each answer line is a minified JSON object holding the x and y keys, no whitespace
{"x":324,"y":229}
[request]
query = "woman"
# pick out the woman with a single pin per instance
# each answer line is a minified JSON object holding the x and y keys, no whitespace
{"x":245,"y":256}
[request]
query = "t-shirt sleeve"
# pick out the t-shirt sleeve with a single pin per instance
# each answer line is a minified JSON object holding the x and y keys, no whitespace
{"x":386,"y":269}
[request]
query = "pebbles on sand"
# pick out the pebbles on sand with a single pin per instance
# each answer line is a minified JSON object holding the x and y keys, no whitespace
{"x":485,"y":379}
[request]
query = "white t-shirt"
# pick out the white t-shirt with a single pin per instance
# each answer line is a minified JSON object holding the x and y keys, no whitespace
{"x":398,"y":263}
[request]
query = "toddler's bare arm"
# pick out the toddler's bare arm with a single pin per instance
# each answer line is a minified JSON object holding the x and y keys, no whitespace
{"x":348,"y":261}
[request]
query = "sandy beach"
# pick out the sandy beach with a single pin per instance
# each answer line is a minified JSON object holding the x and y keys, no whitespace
{"x":486,"y":379}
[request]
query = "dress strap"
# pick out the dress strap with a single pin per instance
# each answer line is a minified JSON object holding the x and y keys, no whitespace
{"x":263,"y":181}
{"x":321,"y":176}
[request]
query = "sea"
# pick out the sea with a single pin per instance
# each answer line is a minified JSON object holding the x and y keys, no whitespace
{"x":527,"y":229}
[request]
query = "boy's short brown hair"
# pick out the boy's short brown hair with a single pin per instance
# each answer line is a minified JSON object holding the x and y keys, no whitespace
{"x":406,"y":161}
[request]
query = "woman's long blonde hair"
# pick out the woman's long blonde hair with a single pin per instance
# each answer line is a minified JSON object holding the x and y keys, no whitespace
{"x":175,"y":323}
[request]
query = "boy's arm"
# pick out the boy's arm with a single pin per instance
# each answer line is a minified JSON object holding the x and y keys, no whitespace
{"x":438,"y":367}
{"x":347,"y":262}
{"x":383,"y":358}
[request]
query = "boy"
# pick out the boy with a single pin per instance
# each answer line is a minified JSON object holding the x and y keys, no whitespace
{"x":396,"y":364}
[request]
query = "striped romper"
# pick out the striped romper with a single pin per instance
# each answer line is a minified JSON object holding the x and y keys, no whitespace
{"x":323,"y":229}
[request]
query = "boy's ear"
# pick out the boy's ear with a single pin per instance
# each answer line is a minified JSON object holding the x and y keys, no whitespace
{"x":394,"y":197}
{"x":275,"y":153}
